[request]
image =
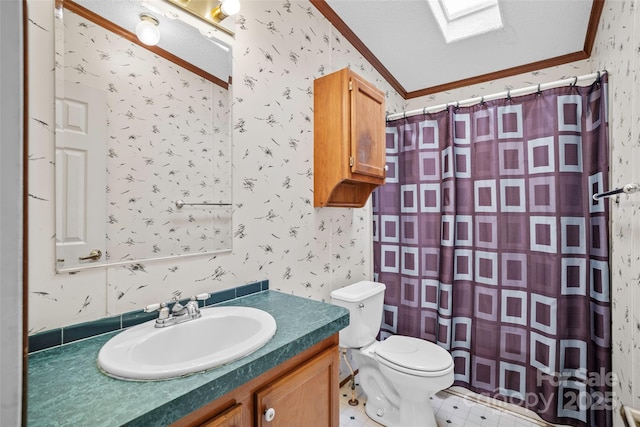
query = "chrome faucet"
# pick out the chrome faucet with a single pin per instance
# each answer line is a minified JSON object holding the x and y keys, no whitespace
{"x":179,"y":313}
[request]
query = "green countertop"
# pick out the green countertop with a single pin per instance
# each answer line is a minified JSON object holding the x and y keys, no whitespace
{"x":66,"y":388}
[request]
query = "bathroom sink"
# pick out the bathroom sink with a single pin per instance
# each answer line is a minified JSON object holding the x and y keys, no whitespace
{"x":221,"y":335}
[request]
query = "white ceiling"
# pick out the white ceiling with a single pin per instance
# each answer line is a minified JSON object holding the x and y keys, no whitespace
{"x":405,"y":38}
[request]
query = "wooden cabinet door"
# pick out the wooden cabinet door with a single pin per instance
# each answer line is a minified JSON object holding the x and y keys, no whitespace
{"x":368,"y":140}
{"x":232,"y":417}
{"x":307,"y":396}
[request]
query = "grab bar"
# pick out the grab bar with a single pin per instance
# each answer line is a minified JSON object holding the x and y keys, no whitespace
{"x":629,"y":189}
{"x":180,"y":204}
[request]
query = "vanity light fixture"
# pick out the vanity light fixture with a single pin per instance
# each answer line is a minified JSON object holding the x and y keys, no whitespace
{"x":211,"y":12}
{"x":147,"y":30}
{"x":225,"y":9}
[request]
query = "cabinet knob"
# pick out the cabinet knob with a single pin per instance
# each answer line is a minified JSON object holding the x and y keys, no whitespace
{"x":269,"y":415}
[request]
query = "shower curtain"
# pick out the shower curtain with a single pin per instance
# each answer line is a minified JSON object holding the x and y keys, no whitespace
{"x":491,"y":245}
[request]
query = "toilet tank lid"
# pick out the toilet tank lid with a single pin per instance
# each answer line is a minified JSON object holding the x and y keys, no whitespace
{"x":358,"y":291}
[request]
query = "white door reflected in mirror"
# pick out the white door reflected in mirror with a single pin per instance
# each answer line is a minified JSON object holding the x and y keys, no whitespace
{"x":81,"y":172}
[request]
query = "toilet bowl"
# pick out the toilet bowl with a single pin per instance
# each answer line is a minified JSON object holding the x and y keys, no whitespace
{"x":399,"y":374}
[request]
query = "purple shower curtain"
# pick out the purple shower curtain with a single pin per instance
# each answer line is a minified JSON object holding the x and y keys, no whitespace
{"x":491,"y":245}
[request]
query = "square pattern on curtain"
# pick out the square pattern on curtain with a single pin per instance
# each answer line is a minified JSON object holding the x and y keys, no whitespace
{"x":491,"y":245}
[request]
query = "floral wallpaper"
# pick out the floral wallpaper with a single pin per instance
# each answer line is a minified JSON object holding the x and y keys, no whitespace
{"x":617,"y":51}
{"x":280,"y":47}
{"x":277,"y":234}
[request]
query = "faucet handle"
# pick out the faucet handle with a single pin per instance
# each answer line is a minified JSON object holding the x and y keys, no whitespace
{"x":152,"y":307}
{"x":193,"y":301}
{"x":201,"y":297}
{"x":160,"y":307}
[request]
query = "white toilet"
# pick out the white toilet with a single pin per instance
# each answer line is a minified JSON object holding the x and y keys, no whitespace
{"x":399,"y":374}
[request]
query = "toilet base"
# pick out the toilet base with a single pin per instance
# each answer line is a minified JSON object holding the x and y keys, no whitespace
{"x":410,"y":414}
{"x":382,"y":412}
{"x":386,"y":406}
{"x":394,"y":398}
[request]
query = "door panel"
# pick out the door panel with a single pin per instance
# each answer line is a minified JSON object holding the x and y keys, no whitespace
{"x":368,"y":144}
{"x":232,"y":417}
{"x":81,"y":173}
{"x":304,"y":397}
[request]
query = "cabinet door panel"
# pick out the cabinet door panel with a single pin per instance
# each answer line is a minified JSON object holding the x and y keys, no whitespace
{"x":232,"y":417}
{"x":306,"y":396}
{"x":368,"y":142}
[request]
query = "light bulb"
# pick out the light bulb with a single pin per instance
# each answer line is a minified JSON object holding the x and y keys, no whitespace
{"x":230,"y":7}
{"x":224,"y":10}
{"x":147,"y":30}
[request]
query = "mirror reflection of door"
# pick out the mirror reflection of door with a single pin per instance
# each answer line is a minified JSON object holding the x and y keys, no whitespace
{"x":167,"y":130}
{"x":81,"y":141}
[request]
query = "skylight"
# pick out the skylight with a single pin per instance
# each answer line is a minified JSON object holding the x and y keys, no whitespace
{"x":459,"y":20}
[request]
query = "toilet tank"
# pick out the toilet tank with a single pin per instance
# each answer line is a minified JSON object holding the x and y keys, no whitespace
{"x":365,"y":301}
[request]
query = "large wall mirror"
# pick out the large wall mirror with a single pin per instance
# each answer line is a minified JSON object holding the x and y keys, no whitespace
{"x":143,"y":137}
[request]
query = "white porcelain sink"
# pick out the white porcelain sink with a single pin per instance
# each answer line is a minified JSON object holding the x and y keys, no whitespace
{"x":221,"y":335}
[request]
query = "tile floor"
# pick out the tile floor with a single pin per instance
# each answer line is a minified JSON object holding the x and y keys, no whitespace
{"x":451,"y":411}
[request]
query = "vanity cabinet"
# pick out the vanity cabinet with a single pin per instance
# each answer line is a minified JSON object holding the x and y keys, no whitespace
{"x":304,"y":397}
{"x":349,"y":139}
{"x":302,"y":391}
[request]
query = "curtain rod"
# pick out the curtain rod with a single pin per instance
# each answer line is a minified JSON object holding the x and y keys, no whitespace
{"x":509,"y":93}
{"x":629,"y":189}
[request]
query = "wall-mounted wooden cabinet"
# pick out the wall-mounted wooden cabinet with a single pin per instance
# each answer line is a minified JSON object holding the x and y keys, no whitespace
{"x":349,"y":139}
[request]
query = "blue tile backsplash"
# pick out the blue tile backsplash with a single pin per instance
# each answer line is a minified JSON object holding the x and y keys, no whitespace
{"x":69,"y":334}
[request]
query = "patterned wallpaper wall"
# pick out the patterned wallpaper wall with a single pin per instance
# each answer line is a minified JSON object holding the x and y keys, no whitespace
{"x":280,"y":47}
{"x":617,"y":51}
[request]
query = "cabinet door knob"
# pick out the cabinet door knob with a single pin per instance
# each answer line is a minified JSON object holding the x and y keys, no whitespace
{"x":269,"y":415}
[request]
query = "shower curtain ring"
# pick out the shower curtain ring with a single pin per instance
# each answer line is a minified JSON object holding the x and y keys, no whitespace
{"x":575,"y":81}
{"x":482,"y":100}
{"x":539,"y":91}
{"x":424,"y":111}
{"x":508,"y":94}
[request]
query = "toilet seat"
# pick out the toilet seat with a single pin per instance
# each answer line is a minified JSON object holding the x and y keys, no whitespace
{"x":413,"y":356}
